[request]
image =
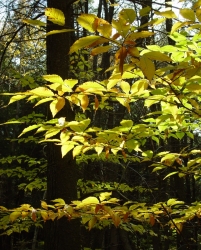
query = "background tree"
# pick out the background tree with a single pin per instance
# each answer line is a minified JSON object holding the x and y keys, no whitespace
{"x":62,"y":174}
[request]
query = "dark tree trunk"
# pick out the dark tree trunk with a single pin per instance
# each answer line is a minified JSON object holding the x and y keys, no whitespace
{"x":61,"y":174}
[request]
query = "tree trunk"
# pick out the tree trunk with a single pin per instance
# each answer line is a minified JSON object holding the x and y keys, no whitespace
{"x":62,"y":173}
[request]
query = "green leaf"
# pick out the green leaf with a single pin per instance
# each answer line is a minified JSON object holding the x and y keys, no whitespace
{"x":55,"y":15}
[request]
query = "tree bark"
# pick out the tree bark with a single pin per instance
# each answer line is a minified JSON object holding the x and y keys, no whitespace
{"x":61,"y":173}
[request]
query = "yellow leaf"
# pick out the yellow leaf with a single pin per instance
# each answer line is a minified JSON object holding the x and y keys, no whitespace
{"x":121,"y":26}
{"x":145,"y":11}
{"x":147,"y":67}
{"x":16,"y":98}
{"x":197,"y":4}
{"x":90,"y":200}
{"x":57,"y":105}
{"x":25,"y":214}
{"x":25,"y":207}
{"x":53,"y":32}
{"x":53,"y":78}
{"x":70,"y":82}
{"x":77,"y":150}
{"x":125,"y":86}
{"x":156,"y":55}
{"x":64,"y":136}
{"x":44,"y":100}
{"x":92,"y":222}
{"x":99,"y":50}
{"x":34,"y":22}
{"x":105,"y":196}
{"x":78,"y":138}
{"x":44,"y":215}
{"x":84,"y":101}
{"x":90,"y":87}
{"x":14,"y":215}
{"x":56,"y":16}
{"x":104,"y":27}
{"x":99,"y":150}
{"x":112,"y":83}
{"x":141,"y":34}
{"x":44,"y":205}
{"x":69,"y":210}
{"x":187,"y":14}
{"x":87,"y":21}
{"x":133,"y":51}
{"x":179,"y":227}
{"x":125,"y":102}
{"x":167,"y":14}
{"x":66,"y":148}
{"x":33,"y":215}
{"x":176,"y":26}
{"x":59,"y":201}
{"x":198,"y":14}
{"x":120,"y":56}
{"x":42,"y":91}
{"x":83,"y":43}
{"x":152,"y":219}
{"x":128,"y":15}
{"x":52,"y":132}
{"x":116,"y":219}
{"x":96,"y":103}
{"x":79,"y":126}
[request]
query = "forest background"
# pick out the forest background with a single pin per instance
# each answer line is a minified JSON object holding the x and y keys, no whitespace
{"x":100,"y":125}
